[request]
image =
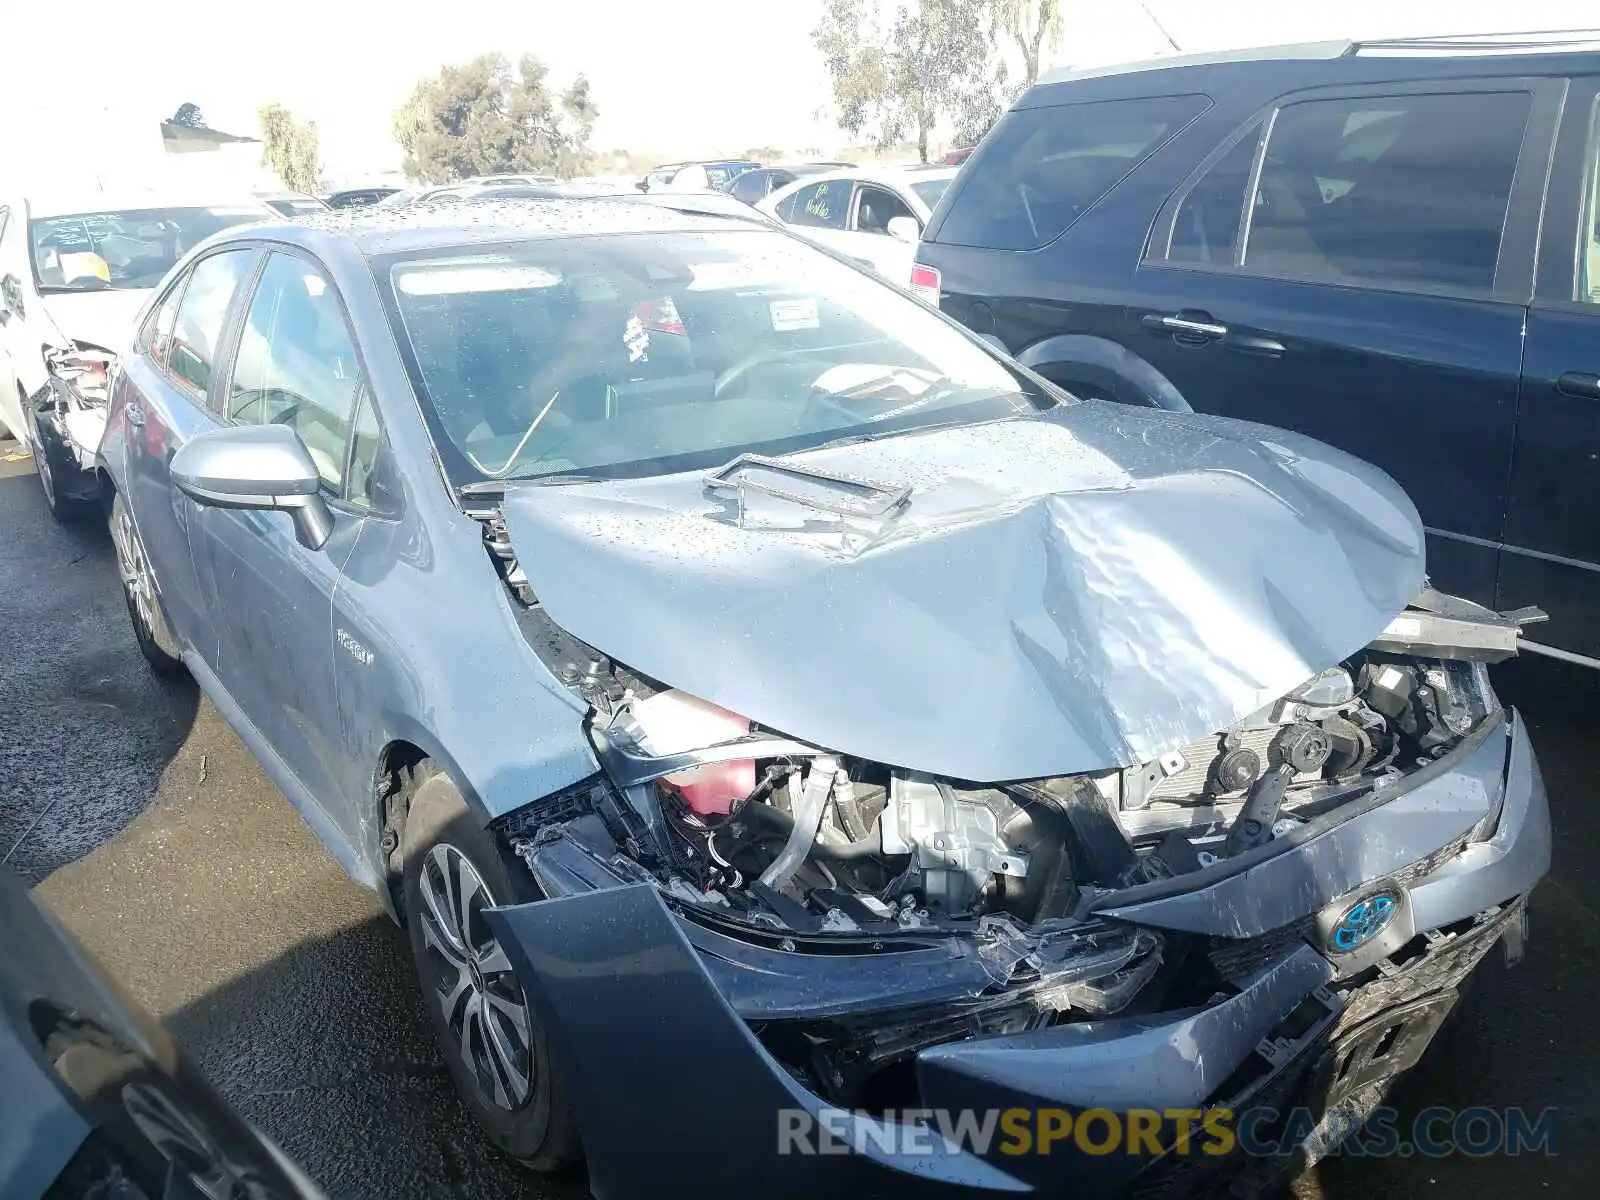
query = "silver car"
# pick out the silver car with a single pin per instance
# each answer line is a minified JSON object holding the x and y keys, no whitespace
{"x":766,"y":703}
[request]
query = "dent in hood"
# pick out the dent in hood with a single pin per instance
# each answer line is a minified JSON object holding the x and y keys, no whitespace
{"x":1078,"y":591}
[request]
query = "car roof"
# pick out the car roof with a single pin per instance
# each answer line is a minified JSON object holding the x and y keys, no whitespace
{"x":1451,"y":46}
{"x":426,"y":226}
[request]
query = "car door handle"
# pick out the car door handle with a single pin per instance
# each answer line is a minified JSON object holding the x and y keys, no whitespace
{"x":133,"y":414}
{"x":1187,"y":326}
{"x":1580,"y":384}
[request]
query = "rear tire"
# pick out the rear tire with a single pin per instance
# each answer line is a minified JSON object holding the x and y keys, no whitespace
{"x":489,"y":1035}
{"x":150,"y":630}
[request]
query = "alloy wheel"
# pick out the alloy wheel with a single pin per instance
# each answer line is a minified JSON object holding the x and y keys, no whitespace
{"x":134,"y":568}
{"x":475,"y":987}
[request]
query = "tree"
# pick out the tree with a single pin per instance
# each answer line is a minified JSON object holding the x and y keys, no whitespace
{"x":933,"y":63}
{"x":482,"y":117}
{"x":1035,"y":26}
{"x":188,"y":114}
{"x":289,"y":147}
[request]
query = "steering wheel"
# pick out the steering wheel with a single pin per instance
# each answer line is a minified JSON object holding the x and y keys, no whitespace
{"x":739,"y":370}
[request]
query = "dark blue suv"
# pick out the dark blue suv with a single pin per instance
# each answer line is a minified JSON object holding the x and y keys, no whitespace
{"x":1390,"y":246}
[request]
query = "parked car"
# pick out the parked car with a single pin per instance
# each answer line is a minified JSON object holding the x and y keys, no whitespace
{"x":358,"y":197}
{"x":99,"y":1102}
{"x":75,"y":268}
{"x":293,"y":204}
{"x":955,"y":158}
{"x":1415,"y":277}
{"x":695,"y":176}
{"x":659,"y":614}
{"x":874,"y":217}
{"x":755,"y":185}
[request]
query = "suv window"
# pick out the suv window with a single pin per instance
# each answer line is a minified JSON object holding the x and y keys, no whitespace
{"x":1589,"y":263}
{"x":201,"y":314}
{"x":1388,"y":189}
{"x":297,"y":363}
{"x":876,"y":206}
{"x":1039,"y":169}
{"x":1206,"y":229}
{"x":825,"y":204}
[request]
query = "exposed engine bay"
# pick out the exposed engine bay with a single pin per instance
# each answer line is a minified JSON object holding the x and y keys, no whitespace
{"x":727,"y":814}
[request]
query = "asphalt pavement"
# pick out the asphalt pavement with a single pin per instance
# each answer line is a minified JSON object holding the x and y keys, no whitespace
{"x":150,"y":830}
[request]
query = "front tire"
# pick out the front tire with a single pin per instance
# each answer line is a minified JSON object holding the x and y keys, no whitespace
{"x":155,"y":640}
{"x":496,"y":1051}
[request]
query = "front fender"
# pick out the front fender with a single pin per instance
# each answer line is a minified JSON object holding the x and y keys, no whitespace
{"x":1109,"y":368}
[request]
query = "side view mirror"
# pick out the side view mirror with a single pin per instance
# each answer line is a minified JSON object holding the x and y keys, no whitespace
{"x":905,"y":228}
{"x":256,"y":467}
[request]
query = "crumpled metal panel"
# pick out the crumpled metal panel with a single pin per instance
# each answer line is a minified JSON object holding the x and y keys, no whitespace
{"x":1080,"y":590}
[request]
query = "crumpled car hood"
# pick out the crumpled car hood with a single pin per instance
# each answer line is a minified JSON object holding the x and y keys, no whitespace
{"x":1082,"y":590}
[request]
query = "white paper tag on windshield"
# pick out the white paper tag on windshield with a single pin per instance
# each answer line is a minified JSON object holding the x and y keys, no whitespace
{"x":788,"y":315}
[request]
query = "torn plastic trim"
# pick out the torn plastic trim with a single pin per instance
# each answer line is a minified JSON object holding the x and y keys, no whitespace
{"x":623,"y":993}
{"x":1437,"y":625}
{"x":628,"y":765}
{"x":778,"y":975}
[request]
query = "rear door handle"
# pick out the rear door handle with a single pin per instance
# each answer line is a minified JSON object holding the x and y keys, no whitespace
{"x":1580,"y":384}
{"x":133,"y":413}
{"x":1186,"y":326}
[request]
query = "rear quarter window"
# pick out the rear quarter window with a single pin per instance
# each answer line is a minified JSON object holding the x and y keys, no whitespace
{"x":1040,"y":169}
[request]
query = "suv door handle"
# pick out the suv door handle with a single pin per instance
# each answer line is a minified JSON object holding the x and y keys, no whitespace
{"x":1187,"y":325}
{"x":1580,"y":384}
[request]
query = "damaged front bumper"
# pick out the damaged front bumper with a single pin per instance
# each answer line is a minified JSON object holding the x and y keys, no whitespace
{"x":664,"y":1020}
{"x":68,"y":415}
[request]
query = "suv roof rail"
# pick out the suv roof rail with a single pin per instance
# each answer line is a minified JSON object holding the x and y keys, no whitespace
{"x":1297,"y":50}
{"x":1457,"y":44}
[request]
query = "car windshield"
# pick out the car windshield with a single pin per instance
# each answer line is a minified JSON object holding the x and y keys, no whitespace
{"x":929,"y":190}
{"x":646,"y":353}
{"x":129,"y":248}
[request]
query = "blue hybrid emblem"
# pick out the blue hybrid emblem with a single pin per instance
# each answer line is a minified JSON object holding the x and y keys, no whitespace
{"x":1362,"y":921}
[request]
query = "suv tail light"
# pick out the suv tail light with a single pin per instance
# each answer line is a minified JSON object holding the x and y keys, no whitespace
{"x":925,"y":283}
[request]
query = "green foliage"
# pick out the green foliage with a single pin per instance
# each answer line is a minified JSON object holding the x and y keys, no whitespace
{"x":484,"y":118}
{"x":289,"y":147}
{"x":929,"y":64}
{"x":1034,"y":26}
{"x":903,"y":72}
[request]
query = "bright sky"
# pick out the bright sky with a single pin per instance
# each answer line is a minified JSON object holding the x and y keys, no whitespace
{"x":679,"y":76}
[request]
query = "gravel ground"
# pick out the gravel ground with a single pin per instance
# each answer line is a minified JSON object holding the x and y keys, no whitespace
{"x":148,"y":827}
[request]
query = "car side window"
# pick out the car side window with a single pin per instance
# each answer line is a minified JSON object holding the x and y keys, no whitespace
{"x":192,"y":349}
{"x":1206,"y":228}
{"x":876,"y":207}
{"x":825,"y":205}
{"x":158,"y":328}
{"x":751,"y":186}
{"x":1589,"y":259}
{"x":297,"y":363}
{"x":361,"y":485}
{"x":1407,"y":189}
{"x":1040,"y":169}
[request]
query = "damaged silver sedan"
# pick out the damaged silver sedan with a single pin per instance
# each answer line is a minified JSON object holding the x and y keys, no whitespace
{"x":764,"y":702}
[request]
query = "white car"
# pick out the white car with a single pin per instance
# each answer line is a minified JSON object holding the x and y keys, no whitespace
{"x":75,"y":269}
{"x":872,"y":216}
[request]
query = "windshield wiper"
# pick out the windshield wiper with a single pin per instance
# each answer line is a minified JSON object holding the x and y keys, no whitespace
{"x":497,"y":487}
{"x":855,"y":497}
